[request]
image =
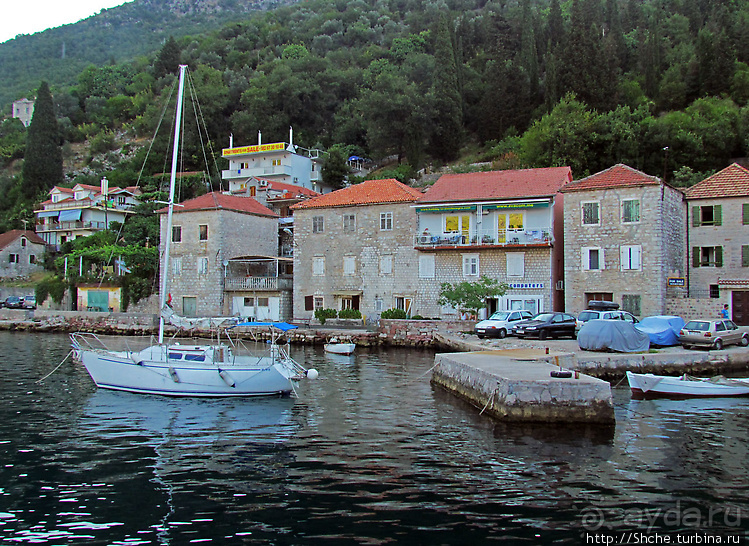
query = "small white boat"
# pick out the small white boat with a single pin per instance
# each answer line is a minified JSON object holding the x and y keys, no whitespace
{"x":340,"y":346}
{"x":685,"y":386}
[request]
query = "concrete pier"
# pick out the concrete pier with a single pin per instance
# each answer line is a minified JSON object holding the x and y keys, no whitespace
{"x":516,"y":385}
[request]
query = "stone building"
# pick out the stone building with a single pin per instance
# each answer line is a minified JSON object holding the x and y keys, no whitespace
{"x":21,"y":253}
{"x":214,"y":239}
{"x":23,"y":109}
{"x":718,"y":227}
{"x":506,"y":225}
{"x":354,"y":249}
{"x":624,"y":239}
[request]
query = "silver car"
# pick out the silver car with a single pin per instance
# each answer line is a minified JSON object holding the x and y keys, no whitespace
{"x":712,"y":333}
{"x":500,"y":323}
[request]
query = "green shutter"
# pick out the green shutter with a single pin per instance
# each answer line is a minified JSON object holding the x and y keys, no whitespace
{"x":718,"y":215}
{"x":695,"y":256}
{"x":695,"y":216}
{"x":718,"y":256}
{"x":745,"y":214}
{"x":745,"y":256}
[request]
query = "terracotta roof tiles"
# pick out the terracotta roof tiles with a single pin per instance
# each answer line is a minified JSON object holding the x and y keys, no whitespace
{"x":511,"y":184}
{"x":733,"y":181}
{"x":370,"y":192}
{"x":614,"y":177}
{"x":10,"y":236}
{"x":217,"y":200}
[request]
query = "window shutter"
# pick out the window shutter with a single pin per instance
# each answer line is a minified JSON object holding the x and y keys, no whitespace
{"x":695,"y":216}
{"x":718,"y":215}
{"x":718,"y":256}
{"x":601,"y":261}
{"x":745,"y":256}
{"x":695,"y":256}
{"x":309,"y":303}
{"x":745,"y":214}
{"x":355,"y":302}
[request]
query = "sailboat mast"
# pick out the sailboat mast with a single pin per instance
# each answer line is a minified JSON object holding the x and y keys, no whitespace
{"x":172,"y":183}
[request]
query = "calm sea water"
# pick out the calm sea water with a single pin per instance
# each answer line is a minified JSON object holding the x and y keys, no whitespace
{"x":370,"y":453}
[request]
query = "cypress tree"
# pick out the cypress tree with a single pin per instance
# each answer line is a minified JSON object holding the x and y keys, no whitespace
{"x":448,"y":123}
{"x":42,"y":165}
{"x":167,"y":61}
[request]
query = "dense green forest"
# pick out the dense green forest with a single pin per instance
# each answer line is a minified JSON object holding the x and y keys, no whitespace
{"x":661,"y":85}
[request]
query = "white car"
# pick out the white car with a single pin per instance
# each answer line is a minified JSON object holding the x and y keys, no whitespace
{"x":591,"y":314}
{"x":500,"y":323}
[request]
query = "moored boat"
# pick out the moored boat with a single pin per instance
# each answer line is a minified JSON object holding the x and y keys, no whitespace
{"x":340,"y":346}
{"x":685,"y":386}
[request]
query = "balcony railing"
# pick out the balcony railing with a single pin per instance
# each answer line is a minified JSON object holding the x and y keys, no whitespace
{"x":258,"y":283}
{"x":261,"y":170}
{"x":508,"y":237}
{"x":58,"y":226}
{"x":85,"y":204}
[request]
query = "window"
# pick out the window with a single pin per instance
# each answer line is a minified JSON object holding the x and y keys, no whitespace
{"x":631,"y":303}
{"x":32,"y":258}
{"x":630,"y":211}
{"x":202,"y":266}
{"x":707,"y":256}
{"x":121,"y":200}
{"x":262,"y":302}
{"x":515,"y":264}
{"x":249,"y":302}
{"x":378,"y":304}
{"x":591,"y":214}
{"x":714,"y":291}
{"x":631,"y":257}
{"x":516,"y":220}
{"x":176,"y":234}
{"x":317,"y":224}
{"x":386,"y":221}
{"x":349,"y":222}
{"x":23,"y":241}
{"x":189,"y":306}
{"x":745,"y":214}
{"x":403,"y":303}
{"x":347,"y":302}
{"x":744,"y":255}
{"x":318,"y":265}
{"x":592,"y":258}
{"x":319,"y":302}
{"x":386,"y":265}
{"x":457,"y":224}
{"x":707,"y":215}
{"x":13,"y":258}
{"x":470,"y":265}
{"x":203,"y":232}
{"x":426,"y":266}
{"x":177,"y":266}
{"x":349,"y":265}
{"x":276,"y":162}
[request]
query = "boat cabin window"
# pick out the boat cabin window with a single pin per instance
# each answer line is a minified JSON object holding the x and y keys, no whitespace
{"x":175,"y":356}
{"x":195,"y":358}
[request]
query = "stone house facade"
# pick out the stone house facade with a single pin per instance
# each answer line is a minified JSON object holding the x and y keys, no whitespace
{"x":354,"y":249}
{"x":624,"y":241}
{"x":207,"y":233}
{"x":21,"y":253}
{"x":718,"y":241}
{"x":506,"y":225}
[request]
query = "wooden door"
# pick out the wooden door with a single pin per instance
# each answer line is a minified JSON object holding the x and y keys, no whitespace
{"x":740,"y":307}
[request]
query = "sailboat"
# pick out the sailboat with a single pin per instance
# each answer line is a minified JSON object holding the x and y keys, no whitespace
{"x":213,"y":370}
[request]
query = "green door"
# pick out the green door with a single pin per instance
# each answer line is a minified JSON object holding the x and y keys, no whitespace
{"x":98,"y":300}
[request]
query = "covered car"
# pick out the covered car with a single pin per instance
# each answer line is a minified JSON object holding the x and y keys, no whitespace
{"x":612,"y":335}
{"x":663,"y":330}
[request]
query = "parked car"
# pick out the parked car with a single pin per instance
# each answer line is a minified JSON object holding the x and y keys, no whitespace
{"x":712,"y":333}
{"x":29,"y":302}
{"x":500,"y":323}
{"x":612,"y":335}
{"x":546,"y":325}
{"x":663,"y":330}
{"x":603,"y":314}
{"x":13,"y":302}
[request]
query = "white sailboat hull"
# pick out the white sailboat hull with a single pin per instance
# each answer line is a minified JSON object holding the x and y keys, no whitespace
{"x":340,"y":348}
{"x":149,"y":372}
{"x":649,"y":385}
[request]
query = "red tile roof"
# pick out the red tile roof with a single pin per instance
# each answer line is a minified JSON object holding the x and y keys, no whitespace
{"x":10,"y":236}
{"x":291,"y":188}
{"x":514,"y":184}
{"x":614,"y":177}
{"x":217,"y":200}
{"x":733,"y":181}
{"x":370,"y":192}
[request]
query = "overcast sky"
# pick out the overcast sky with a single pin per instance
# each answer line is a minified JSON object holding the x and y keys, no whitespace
{"x":18,"y":17}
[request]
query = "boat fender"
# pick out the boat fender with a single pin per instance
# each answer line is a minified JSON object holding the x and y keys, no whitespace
{"x":311,"y":373}
{"x":564,"y":374}
{"x":228,"y":379}
{"x":174,"y":375}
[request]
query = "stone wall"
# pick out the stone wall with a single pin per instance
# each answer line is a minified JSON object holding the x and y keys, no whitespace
{"x":695,"y":308}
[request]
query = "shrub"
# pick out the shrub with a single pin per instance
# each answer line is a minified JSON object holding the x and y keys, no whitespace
{"x":417,"y":317}
{"x":50,"y":286}
{"x":349,"y":313}
{"x":394,"y":314}
{"x":324,"y":314}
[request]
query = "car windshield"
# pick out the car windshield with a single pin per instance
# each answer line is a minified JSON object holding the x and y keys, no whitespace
{"x":499,"y":315}
{"x":587,"y":315}
{"x":543,"y":316}
{"x":697,"y":325}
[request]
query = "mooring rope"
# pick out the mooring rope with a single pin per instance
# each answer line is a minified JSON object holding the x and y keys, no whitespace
{"x":57,"y":368}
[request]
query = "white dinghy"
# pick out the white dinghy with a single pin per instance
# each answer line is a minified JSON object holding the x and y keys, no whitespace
{"x":685,"y":386}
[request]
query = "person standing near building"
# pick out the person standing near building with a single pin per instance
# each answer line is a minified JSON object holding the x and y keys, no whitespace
{"x":724,"y":312}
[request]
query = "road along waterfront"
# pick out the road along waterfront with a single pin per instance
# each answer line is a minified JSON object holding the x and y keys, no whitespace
{"x":368,"y":453}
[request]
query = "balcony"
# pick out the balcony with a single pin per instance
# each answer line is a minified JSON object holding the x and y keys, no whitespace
{"x":69,"y":226}
{"x":261,"y":171}
{"x":510,"y":237}
{"x":86,"y":204}
{"x":259,"y":284}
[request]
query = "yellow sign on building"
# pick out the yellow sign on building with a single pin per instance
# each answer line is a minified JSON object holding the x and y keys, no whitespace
{"x":258,"y":148}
